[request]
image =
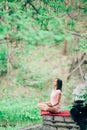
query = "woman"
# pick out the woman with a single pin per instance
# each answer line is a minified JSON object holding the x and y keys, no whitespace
{"x":54,"y":104}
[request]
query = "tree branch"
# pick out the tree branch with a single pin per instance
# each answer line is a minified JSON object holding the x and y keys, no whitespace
{"x":30,"y":3}
{"x":76,"y":34}
{"x":82,"y":61}
{"x":81,"y":73}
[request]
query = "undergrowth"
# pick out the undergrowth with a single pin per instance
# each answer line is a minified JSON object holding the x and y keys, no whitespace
{"x":14,"y":111}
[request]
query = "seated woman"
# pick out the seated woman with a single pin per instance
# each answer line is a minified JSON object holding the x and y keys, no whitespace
{"x":54,"y":104}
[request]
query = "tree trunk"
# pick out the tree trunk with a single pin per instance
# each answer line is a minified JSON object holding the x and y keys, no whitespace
{"x":65,"y":22}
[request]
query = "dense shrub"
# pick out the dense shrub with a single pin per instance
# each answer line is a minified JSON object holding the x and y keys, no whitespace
{"x":3,"y":61}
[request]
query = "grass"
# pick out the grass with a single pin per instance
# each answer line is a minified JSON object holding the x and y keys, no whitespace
{"x":18,"y":111}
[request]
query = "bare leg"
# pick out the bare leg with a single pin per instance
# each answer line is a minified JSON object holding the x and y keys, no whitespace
{"x":42,"y":106}
{"x":45,"y":107}
{"x":52,"y":109}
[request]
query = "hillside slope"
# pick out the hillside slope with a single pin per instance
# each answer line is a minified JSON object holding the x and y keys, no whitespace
{"x":33,"y":72}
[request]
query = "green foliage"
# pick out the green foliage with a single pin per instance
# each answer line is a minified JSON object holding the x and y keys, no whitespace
{"x":69,"y":9}
{"x":8,"y":127}
{"x":28,"y":27}
{"x":43,"y":18}
{"x":57,"y":5}
{"x":3,"y":60}
{"x":83,"y":45}
{"x":84,"y":95}
{"x":33,"y":78}
{"x":83,"y":1}
{"x":34,"y":29}
{"x":52,"y":1}
{"x":85,"y":10}
{"x":71,"y":24}
{"x":19,"y":110}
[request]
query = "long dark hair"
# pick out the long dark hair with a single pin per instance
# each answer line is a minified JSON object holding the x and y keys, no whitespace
{"x":59,"y":84}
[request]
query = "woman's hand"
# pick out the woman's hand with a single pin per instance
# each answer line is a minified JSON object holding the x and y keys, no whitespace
{"x":49,"y":104}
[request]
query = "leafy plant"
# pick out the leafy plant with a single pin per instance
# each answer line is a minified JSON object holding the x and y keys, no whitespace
{"x":19,"y":109}
{"x":3,"y":60}
{"x":83,"y":45}
{"x":71,"y":24}
{"x":84,"y":95}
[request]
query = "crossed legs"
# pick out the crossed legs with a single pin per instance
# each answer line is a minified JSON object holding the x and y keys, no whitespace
{"x":46,"y":107}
